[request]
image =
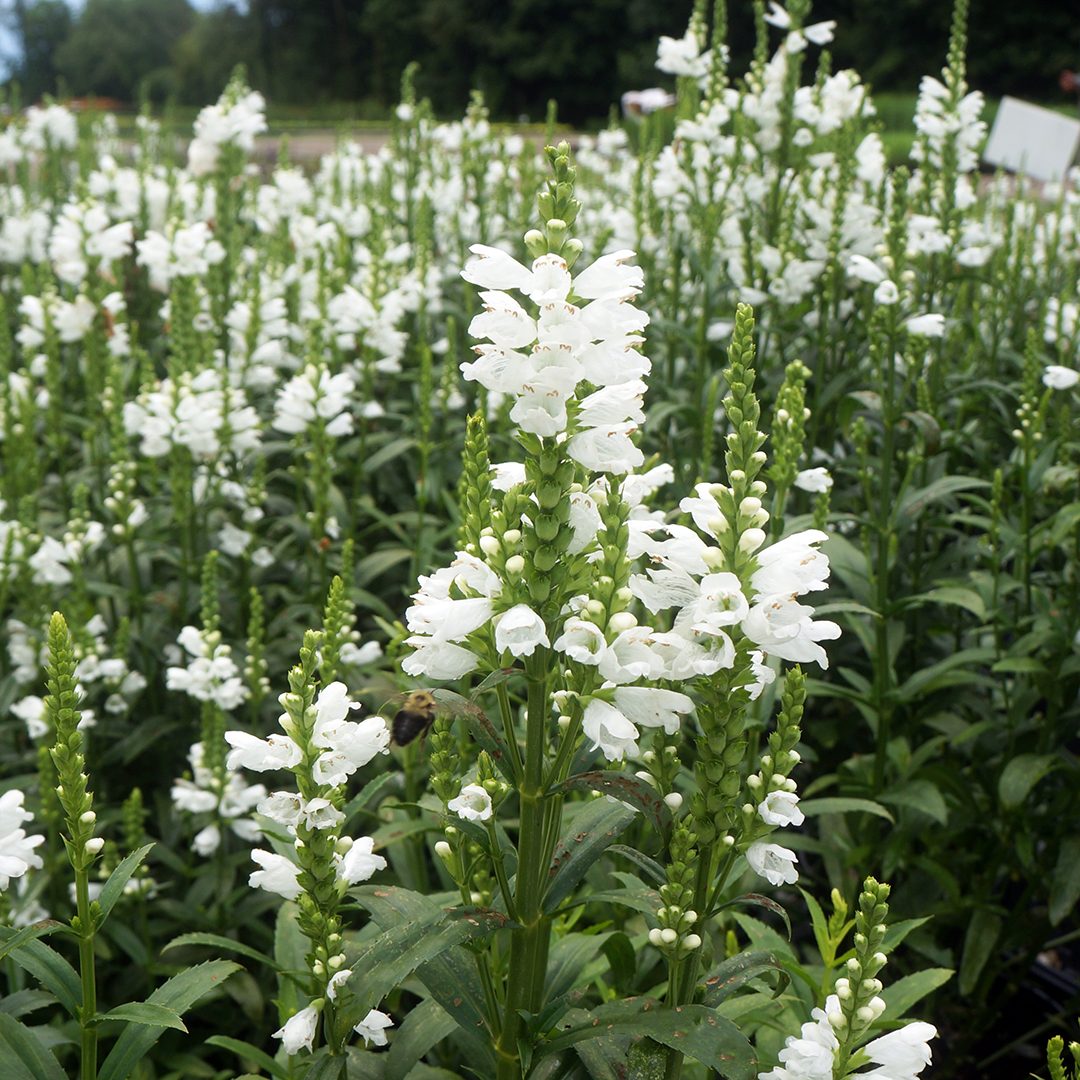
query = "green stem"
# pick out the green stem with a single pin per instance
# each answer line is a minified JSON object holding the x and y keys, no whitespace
{"x":87,"y":976}
{"x":529,"y":943}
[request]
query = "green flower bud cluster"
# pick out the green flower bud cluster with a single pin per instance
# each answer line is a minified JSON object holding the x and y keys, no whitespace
{"x":674,"y":935}
{"x":662,"y":767}
{"x":550,"y":474}
{"x":1055,"y":1049}
{"x":789,"y":426}
{"x":337,"y":622}
{"x":474,"y":490}
{"x":721,"y":750}
{"x":775,"y":766}
{"x":317,"y":919}
{"x":62,"y":708}
{"x":858,"y":990}
{"x":256,"y":667}
{"x":445,"y":759}
{"x":740,"y":501}
{"x":558,"y":210}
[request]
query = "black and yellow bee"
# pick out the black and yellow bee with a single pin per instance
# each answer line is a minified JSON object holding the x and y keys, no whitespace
{"x":415,"y":717}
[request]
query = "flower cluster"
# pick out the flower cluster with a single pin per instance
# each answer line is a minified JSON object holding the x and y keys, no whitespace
{"x":17,"y":853}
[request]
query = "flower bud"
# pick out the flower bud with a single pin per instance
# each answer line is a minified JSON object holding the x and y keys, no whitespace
{"x":489,"y":545}
{"x":674,"y":800}
{"x":444,"y":850}
{"x":668,"y":936}
{"x":691,"y":942}
{"x":620,"y":621}
{"x":94,"y":845}
{"x":515,"y":566}
{"x":88,"y":818}
{"x":655,"y":937}
{"x":512,"y":537}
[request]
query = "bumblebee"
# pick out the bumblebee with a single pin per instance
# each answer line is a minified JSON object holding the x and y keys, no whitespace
{"x":414,"y":718}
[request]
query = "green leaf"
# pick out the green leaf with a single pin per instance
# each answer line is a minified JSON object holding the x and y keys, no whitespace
{"x":424,"y":1026}
{"x":982,"y":934}
{"x":144,"y":1012}
{"x":896,"y":932}
{"x":587,"y":833}
{"x":246,"y":1052}
{"x":642,"y":861}
{"x":385,"y":454}
{"x":567,"y":960}
{"x":622,"y":960}
{"x":326,"y":1068}
{"x":901,"y":995}
{"x":915,"y":501}
{"x":625,"y":788}
{"x":483,"y":730}
{"x":178,"y":994}
{"x":843,"y":805}
{"x":450,"y":977}
{"x":217,"y":941}
{"x":693,"y":1029}
{"x":946,"y":673}
{"x":1021,"y":775}
{"x":49,"y":968}
{"x":114,"y":887}
{"x":290,"y":956}
{"x":919,"y":795}
{"x":373,"y":792}
{"x":1065,"y":880}
{"x":22,"y":1056}
{"x":31,"y":933}
{"x":727,"y":977}
{"x":752,"y":899}
{"x":950,"y":594}
{"x":23,"y":1002}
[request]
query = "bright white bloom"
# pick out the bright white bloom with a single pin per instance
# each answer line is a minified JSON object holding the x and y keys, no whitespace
{"x":814,"y":480}
{"x":315,"y":393}
{"x":359,"y":862}
{"x":473,"y":804}
{"x":276,"y":751}
{"x":17,"y":853}
{"x":372,"y":1029}
{"x":650,"y":706}
{"x":810,"y":1054}
{"x":609,"y":730}
{"x":781,"y":808}
{"x":278,"y":874}
{"x":902,"y":1054}
{"x":682,"y":56}
{"x":1057,"y":377}
{"x":931,"y":326}
{"x":774,"y":863}
{"x":520,"y":631}
{"x":298,"y":1032}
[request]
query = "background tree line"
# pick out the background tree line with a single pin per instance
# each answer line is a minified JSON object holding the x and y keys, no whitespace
{"x":519,"y":52}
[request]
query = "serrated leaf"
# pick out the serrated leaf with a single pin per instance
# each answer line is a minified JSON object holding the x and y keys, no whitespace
{"x":843,"y":805}
{"x":49,"y":968}
{"x":246,"y":1052}
{"x":915,"y":500}
{"x":625,"y":788}
{"x":641,"y":861}
{"x":588,"y":832}
{"x":144,"y":1012}
{"x":179,"y":994}
{"x":23,"y":1002}
{"x":1021,"y":774}
{"x":728,"y":976}
{"x":217,"y":941}
{"x":1065,"y":880}
{"x":483,"y":730}
{"x":954,"y":595}
{"x":766,"y":902}
{"x":22,"y":1056}
{"x":290,"y":955}
{"x":31,"y":933}
{"x":114,"y":887}
{"x":696,"y":1031}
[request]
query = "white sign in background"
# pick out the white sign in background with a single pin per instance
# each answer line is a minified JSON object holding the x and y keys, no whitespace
{"x":1030,"y":139}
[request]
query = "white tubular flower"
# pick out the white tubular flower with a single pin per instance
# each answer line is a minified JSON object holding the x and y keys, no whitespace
{"x":682,"y":56}
{"x":1057,"y":377}
{"x":438,"y":659}
{"x":814,"y":480}
{"x":783,"y":628}
{"x":774,"y":863}
{"x":278,"y":874}
{"x":298,"y":1032}
{"x":261,"y":755}
{"x":609,"y":730}
{"x":359,"y":862}
{"x":606,"y":449}
{"x":609,"y":276}
{"x":284,"y":807}
{"x":206,"y":841}
{"x":652,"y":707}
{"x":793,"y":565}
{"x":582,"y":641}
{"x":810,"y":1054}
{"x":337,"y":981}
{"x":903,"y":1053}
{"x":494,"y":269}
{"x":372,"y":1029}
{"x":929,"y":326}
{"x":781,"y":808}
{"x":473,"y":804}
{"x":16,"y":848}
{"x":447,"y":620}
{"x":520,"y":631}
